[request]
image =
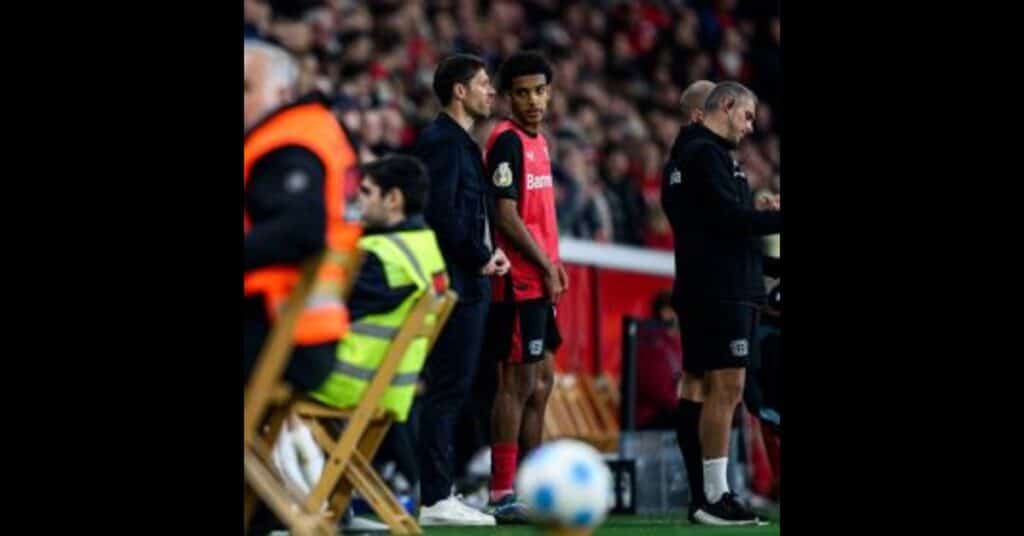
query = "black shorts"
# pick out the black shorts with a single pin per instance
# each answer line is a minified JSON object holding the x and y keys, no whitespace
{"x":519,"y":332}
{"x":717,"y":335}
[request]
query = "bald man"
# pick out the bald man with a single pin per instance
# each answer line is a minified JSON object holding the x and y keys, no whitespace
{"x":691,"y":102}
{"x":691,"y":396}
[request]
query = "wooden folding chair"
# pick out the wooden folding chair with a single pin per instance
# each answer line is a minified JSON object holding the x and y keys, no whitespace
{"x":348,"y":465}
{"x":575,"y":411}
{"x":605,"y":413}
{"x":350,"y":455}
{"x":608,"y":387}
{"x":557,"y":422}
{"x":266,"y":387}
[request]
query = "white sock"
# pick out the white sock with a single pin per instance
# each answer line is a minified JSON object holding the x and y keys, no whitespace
{"x":715,"y":482}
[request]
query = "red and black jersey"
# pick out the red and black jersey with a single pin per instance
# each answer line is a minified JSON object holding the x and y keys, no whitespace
{"x":519,"y":168}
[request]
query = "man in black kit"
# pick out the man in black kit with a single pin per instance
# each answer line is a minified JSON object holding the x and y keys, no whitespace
{"x":719,"y":283}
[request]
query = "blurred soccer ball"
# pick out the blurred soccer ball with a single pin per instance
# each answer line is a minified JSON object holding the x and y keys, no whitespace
{"x":566,"y":483}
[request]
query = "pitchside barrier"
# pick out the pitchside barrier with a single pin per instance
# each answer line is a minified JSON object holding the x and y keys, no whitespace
{"x":606,"y":283}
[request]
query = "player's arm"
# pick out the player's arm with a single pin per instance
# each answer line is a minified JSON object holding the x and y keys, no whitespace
{"x":726,"y":214}
{"x":505,"y":167}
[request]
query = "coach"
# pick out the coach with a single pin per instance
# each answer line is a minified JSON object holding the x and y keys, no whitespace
{"x":719,"y":283}
{"x":457,"y":212}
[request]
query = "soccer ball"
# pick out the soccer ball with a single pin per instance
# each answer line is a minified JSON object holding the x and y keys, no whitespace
{"x":565,"y":483}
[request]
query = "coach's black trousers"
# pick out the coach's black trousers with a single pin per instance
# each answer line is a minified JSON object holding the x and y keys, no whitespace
{"x":448,"y":374}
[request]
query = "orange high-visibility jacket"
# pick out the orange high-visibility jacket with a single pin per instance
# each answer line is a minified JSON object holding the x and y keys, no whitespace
{"x":314,"y":127}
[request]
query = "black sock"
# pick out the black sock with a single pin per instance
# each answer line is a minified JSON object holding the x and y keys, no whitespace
{"x":688,"y":437}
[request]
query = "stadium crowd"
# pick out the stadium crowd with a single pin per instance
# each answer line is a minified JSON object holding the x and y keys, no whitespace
{"x":619,"y":71}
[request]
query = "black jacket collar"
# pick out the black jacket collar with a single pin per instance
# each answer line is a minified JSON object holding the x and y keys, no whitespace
{"x":412,"y":223}
{"x":704,"y":132}
{"x":446,"y":122}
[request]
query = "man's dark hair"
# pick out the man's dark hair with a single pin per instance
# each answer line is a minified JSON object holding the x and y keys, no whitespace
{"x":403,"y":172}
{"x":523,"y":64}
{"x":455,"y":69}
{"x":726,"y":92}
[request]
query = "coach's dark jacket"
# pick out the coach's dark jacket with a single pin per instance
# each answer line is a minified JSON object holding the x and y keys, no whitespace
{"x":456,"y":209}
{"x":707,"y":199}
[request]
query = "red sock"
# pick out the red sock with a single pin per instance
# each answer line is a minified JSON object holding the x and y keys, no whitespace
{"x":503,"y":469}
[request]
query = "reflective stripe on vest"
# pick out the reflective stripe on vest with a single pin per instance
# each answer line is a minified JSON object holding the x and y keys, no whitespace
{"x":404,"y":248}
{"x":373,"y":330}
{"x":365,"y":374}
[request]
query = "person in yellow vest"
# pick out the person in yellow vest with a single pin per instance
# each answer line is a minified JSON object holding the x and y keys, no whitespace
{"x":296,"y":156}
{"x":402,"y":261}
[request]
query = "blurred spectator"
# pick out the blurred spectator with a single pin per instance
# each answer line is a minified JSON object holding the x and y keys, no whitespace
{"x":256,"y":14}
{"x":288,"y":25}
{"x":308,"y":66}
{"x":619,"y":70}
{"x":581,"y":209}
{"x":624,"y":199}
{"x":730,"y":61}
{"x":658,"y":365}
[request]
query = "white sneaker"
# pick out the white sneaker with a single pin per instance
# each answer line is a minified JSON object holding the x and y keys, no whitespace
{"x":361,"y":524}
{"x":451,"y":511}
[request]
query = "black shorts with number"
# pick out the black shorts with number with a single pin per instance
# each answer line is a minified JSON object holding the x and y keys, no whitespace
{"x":519,"y":332}
{"x":717,"y":335}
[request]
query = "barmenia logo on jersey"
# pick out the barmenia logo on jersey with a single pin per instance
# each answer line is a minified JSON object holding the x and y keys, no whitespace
{"x":537,"y":181}
{"x":502,"y":176}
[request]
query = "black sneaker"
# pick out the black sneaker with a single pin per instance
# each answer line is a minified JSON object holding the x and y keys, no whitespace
{"x":726,"y":512}
{"x":509,"y":511}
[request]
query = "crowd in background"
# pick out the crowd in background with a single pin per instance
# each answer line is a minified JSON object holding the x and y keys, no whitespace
{"x":619,"y":70}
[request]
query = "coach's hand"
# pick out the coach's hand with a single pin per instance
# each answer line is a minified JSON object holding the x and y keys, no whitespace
{"x":501,"y":262}
{"x":498,"y":265}
{"x":768,"y":202}
{"x":553,"y":283}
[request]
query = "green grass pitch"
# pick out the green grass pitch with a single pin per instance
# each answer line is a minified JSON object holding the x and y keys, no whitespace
{"x":620,"y":525}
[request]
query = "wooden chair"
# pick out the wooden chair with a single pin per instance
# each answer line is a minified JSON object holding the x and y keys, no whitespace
{"x":266,"y":387}
{"x":350,"y":454}
{"x":600,"y":398}
{"x":575,"y":410}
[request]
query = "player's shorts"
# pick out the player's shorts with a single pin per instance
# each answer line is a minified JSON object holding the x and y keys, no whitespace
{"x":717,"y":335}
{"x":519,"y":332}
